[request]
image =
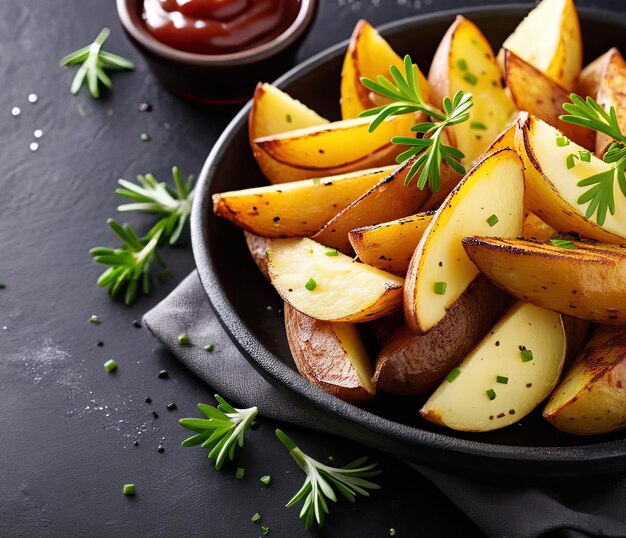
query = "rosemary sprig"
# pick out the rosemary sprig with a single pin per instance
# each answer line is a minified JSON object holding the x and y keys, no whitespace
{"x":406,"y":98}
{"x":600,"y":194}
{"x":320,"y":480}
{"x":94,"y":61}
{"x":222,"y":431}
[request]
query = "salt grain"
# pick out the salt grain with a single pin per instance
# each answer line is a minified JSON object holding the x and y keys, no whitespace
{"x":34,"y":146}
{"x":32,"y":98}
{"x":16,"y":111}
{"x":38,"y":133}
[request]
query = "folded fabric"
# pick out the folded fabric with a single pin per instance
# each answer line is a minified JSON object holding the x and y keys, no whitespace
{"x":582,"y":507}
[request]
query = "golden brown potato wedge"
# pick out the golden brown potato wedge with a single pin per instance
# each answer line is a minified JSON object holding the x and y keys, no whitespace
{"x":415,"y":363}
{"x":390,"y":245}
{"x":539,"y":95}
{"x":591,"y":398}
{"x":552,"y":189}
{"x":330,"y":355}
{"x":326,"y":285}
{"x":368,"y":55}
{"x":605,"y":81}
{"x":534,"y":228}
{"x":549,"y":39}
{"x":387,"y":200}
{"x":273,"y":111}
{"x":585,"y":280}
{"x":465,"y":61}
{"x":511,"y":371}
{"x":299,"y":208}
{"x":490,"y":199}
{"x":257,"y":246}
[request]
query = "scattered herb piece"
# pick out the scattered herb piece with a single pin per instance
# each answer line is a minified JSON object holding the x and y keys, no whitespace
{"x":562,"y":141}
{"x":571,"y":160}
{"x":527,"y":355}
{"x":265,"y":530}
{"x":471,"y":78}
{"x":491,"y":394}
{"x":502,"y":379}
{"x":209,"y":348}
{"x":269,"y":308}
{"x":316,"y":181}
{"x":318,"y":486}
{"x":288,"y":118}
{"x":129,"y":489}
{"x":493,"y":220}
{"x":266,"y":479}
{"x":392,"y":532}
{"x":255,"y":517}
{"x":311,"y":284}
{"x":440,"y":288}
{"x":428,"y":151}
{"x":94,"y":319}
{"x":563,"y":243}
{"x":331,"y":459}
{"x":183,"y":339}
{"x":94,"y":61}
{"x":584,"y":155}
{"x":240,"y":472}
{"x":331,"y":252}
{"x":222,"y":432}
{"x":110,"y":366}
{"x":462,"y":64}
{"x":454,"y":373}
{"x":145,"y":137}
{"x":478,"y":125}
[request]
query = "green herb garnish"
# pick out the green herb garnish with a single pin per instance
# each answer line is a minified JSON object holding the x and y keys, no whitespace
{"x":454,"y":373}
{"x":502,"y":379}
{"x":222,"y":432}
{"x":478,"y":125}
{"x":491,"y":394}
{"x":239,"y":473}
{"x":110,"y":366}
{"x":461,"y":64}
{"x":265,"y":530}
{"x":471,"y":78}
{"x":429,"y":150}
{"x":184,"y":340}
{"x":493,"y":220}
{"x":94,"y":61}
{"x":562,"y":141}
{"x":331,"y":252}
{"x":563,"y":243}
{"x":128,"y":489}
{"x":145,"y":137}
{"x":311,"y":284}
{"x":255,"y":517}
{"x":440,"y":288}
{"x":266,"y":479}
{"x":527,"y":355}
{"x":209,"y":348}
{"x":321,"y":479}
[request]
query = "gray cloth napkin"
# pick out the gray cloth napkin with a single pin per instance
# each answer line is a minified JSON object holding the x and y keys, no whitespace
{"x":562,"y":507}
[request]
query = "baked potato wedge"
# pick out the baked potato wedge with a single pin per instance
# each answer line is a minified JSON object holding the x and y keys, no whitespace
{"x":368,"y":55}
{"x":389,"y":199}
{"x":549,"y":39}
{"x":272,"y":112}
{"x":552,"y":176}
{"x":330,"y":355}
{"x":534,"y":228}
{"x":412,"y":363}
{"x":605,"y":81}
{"x":326,"y":285}
{"x":585,"y":280}
{"x":539,"y":95}
{"x":465,"y":61}
{"x":511,"y":371}
{"x":390,"y":245}
{"x":288,"y":210}
{"x":591,"y":398}
{"x":489,"y":199}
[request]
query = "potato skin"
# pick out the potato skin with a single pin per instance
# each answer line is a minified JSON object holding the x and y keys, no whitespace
{"x":320,"y":357}
{"x":415,"y":363}
{"x":257,"y":246}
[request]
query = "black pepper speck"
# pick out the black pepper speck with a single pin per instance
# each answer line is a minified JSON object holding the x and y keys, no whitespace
{"x":136,"y":324}
{"x":155,"y":415}
{"x":171,"y":406}
{"x":161,"y":449}
{"x":164,"y":374}
{"x":148,"y":400}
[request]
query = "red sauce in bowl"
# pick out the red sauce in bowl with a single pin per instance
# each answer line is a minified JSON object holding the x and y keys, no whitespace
{"x":218,"y":26}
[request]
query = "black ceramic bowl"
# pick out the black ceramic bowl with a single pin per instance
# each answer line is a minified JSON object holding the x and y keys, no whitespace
{"x":215,"y":78}
{"x":239,"y":294}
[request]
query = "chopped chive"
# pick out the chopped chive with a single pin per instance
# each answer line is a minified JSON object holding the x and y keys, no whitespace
{"x":310,"y":250}
{"x":562,"y":141}
{"x":288,"y":118}
{"x":311,"y":285}
{"x":265,"y":530}
{"x":268,"y":254}
{"x":209,"y":348}
{"x":330,"y":459}
{"x":440,"y":288}
{"x":471,"y":78}
{"x":462,"y":64}
{"x":316,"y":181}
{"x":110,"y":366}
{"x":563,"y":243}
{"x":2,"y":285}
{"x":571,"y":160}
{"x":454,"y":373}
{"x":240,"y":472}
{"x":145,"y":137}
{"x":128,"y":489}
{"x":331,"y":252}
{"x":491,"y":394}
{"x":493,"y":220}
{"x":478,"y":125}
{"x":255,"y":517}
{"x":94,"y":319}
{"x":502,"y":379}
{"x":266,"y":479}
{"x":183,"y":339}
{"x":392,"y":532}
{"x":585,"y":155}
{"x":527,"y":355}
{"x":269,"y":308}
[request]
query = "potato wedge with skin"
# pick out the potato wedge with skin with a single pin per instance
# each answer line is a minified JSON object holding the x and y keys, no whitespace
{"x":299,"y":208}
{"x":330,"y":355}
{"x":587,"y":281}
{"x":552,"y":190}
{"x":465,"y":61}
{"x":390,"y":245}
{"x":534,"y":228}
{"x":389,"y":199}
{"x":605,"y":81}
{"x":539,"y":95}
{"x":273,"y":111}
{"x":549,"y":39}
{"x":257,"y":246}
{"x":327,"y":285}
{"x":591,"y":399}
{"x":415,"y":363}
{"x":368,"y":55}
{"x":506,"y":376}
{"x":489,"y":199}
